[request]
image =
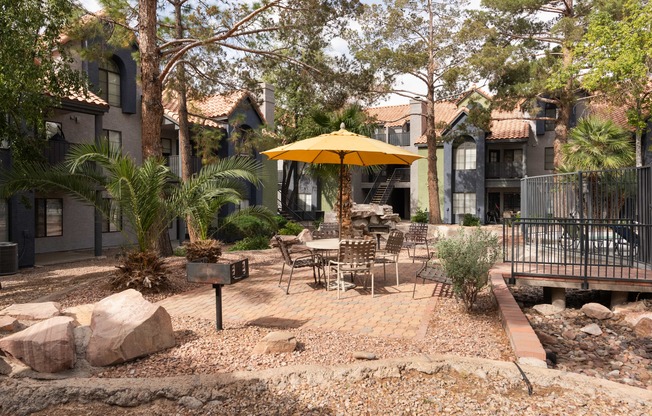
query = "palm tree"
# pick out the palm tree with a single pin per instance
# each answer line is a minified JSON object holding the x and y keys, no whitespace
{"x":356,"y":121}
{"x":597,"y":144}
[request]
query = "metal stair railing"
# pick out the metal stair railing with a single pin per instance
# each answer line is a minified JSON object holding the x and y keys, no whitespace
{"x":397,"y":175}
{"x":381,"y":178}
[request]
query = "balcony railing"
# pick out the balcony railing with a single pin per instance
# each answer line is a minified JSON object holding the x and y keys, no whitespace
{"x":503,"y":170}
{"x":56,"y":150}
{"x":399,"y":139}
{"x":175,"y":167}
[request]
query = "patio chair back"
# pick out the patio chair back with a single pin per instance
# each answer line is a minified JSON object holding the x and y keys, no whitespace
{"x":394,"y":242}
{"x":357,"y":255}
{"x":327,"y":230}
{"x":285,"y":250}
{"x":417,"y":233}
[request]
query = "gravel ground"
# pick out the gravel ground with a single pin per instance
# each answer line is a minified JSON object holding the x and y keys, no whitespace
{"x":202,"y":350}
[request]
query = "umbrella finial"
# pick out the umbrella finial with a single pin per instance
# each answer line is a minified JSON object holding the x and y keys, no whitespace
{"x":342,"y":126}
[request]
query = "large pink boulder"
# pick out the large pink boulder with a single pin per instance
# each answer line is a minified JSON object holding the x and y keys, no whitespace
{"x":126,"y":326}
{"x":32,"y":311}
{"x":47,"y":347}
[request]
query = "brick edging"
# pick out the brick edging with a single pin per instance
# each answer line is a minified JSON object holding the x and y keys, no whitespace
{"x":524,"y":341}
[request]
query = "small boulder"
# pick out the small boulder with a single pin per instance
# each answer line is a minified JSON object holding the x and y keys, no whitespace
{"x":597,"y":311}
{"x":644,"y":328}
{"x":80,"y":313}
{"x":32,"y":311}
{"x":305,"y":235}
{"x":547,"y":309}
{"x":275,"y":342}
{"x":364,"y":355}
{"x":634,"y":317}
{"x":9,"y":324}
{"x":546,"y":338}
{"x":569,"y":334}
{"x":592,"y":329}
{"x":126,"y":326}
{"x":47,"y":347}
{"x":630,"y":307}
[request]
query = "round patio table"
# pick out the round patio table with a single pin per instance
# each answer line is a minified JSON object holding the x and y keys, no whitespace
{"x":329,"y":244}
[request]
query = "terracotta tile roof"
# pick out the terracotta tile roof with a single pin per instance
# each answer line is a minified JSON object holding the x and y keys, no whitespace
{"x":212,"y":107}
{"x":508,"y":125}
{"x":445,"y":113}
{"x":171,"y":111}
{"x":606,"y":111}
{"x":86,"y":97}
{"x":390,"y":115}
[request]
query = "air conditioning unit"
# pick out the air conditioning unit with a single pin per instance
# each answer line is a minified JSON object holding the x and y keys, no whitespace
{"x":8,"y":258}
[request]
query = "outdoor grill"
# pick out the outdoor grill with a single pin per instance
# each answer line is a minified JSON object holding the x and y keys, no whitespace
{"x":378,"y":228}
{"x":218,"y":274}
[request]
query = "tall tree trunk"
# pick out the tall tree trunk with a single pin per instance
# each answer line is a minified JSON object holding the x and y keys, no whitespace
{"x":185,"y":149}
{"x":151,"y":84}
{"x":347,"y":204}
{"x":152,"y":93}
{"x":431,"y":131}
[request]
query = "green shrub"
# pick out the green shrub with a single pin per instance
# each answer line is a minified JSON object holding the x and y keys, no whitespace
{"x":466,"y":259}
{"x":245,"y":226}
{"x":291,"y":228}
{"x":420,"y":216}
{"x":470,"y":220}
{"x":280,"y":221}
{"x":180,"y":251}
{"x":251,"y":243}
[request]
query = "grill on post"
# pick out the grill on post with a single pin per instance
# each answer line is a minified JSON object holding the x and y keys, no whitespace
{"x":218,"y":274}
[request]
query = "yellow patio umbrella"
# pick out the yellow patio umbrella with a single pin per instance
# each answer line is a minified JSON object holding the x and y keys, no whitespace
{"x":344,"y":148}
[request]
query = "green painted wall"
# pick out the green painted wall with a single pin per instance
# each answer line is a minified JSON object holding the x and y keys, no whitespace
{"x":423,"y":177}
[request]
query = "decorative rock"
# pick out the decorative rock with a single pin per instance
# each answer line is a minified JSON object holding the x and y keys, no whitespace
{"x":644,"y":328}
{"x":630,"y":307}
{"x":597,"y":311}
{"x":547,"y":309}
{"x":546,"y":339}
{"x":305,"y":235}
{"x":633,"y":318}
{"x":190,"y":402}
{"x":363,"y":355}
{"x":569,"y":334}
{"x":592,"y":329}
{"x":276,"y":342}
{"x":126,"y":326}
{"x":33,"y":311}
{"x":81,"y":313}
{"x":8,"y":324}
{"x":11,"y":366}
{"x":47,"y":347}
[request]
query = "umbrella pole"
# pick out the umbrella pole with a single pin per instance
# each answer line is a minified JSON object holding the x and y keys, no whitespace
{"x":341,"y":174}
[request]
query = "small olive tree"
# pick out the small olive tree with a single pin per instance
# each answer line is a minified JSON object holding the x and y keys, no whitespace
{"x":466,"y":259}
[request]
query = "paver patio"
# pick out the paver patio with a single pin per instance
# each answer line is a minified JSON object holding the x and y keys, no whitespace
{"x":259,"y":301}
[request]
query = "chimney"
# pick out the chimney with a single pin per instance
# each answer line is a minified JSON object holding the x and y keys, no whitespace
{"x":268,"y":105}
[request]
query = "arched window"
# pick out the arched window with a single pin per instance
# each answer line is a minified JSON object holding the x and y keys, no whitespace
{"x":464,"y":156}
{"x":110,"y":82}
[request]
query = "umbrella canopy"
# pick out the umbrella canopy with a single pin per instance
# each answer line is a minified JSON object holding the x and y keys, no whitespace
{"x":343,"y":148}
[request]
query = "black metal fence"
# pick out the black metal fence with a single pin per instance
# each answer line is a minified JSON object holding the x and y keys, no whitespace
{"x":605,"y":249}
{"x":588,"y":225}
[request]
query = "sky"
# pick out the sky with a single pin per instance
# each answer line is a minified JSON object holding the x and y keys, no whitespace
{"x":405,"y":82}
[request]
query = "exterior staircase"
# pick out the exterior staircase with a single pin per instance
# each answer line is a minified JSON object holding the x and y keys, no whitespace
{"x":383,"y":187}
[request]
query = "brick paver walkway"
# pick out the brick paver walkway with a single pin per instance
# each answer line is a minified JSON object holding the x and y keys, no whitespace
{"x":259,"y":301}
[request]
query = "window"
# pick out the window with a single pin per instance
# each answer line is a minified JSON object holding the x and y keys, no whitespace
{"x":494,"y":156}
{"x":110,"y":83}
{"x":113,"y":138}
{"x":549,"y":158}
{"x":49,"y":217}
{"x":464,"y":156}
{"x":4,"y":217}
{"x":551,"y":113}
{"x":166,"y":146}
{"x":114,"y":222}
{"x":464,"y":203}
{"x":305,"y":202}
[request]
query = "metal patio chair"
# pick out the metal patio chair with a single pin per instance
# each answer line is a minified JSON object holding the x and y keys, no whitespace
{"x":417,"y":235}
{"x":391,"y":252}
{"x":431,"y":271}
{"x":306,"y":258}
{"x":355,"y":257}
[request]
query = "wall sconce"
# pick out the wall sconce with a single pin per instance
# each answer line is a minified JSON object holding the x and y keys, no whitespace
{"x":74,"y":118}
